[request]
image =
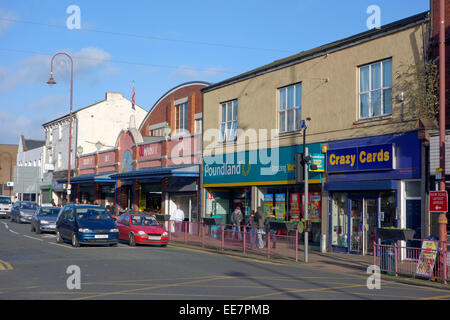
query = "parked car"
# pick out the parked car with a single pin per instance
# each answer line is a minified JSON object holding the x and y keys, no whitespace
{"x":44,"y":219}
{"x":23,"y":211}
{"x":5,"y":207}
{"x":85,"y":225}
{"x":141,"y":228}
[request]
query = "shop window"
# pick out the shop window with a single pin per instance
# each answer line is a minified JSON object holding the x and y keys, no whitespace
{"x":375,"y":89}
{"x":339,"y":228}
{"x":387,"y":209}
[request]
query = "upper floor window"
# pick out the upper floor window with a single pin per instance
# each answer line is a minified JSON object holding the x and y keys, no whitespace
{"x":228,"y":124}
{"x":290,"y":108}
{"x":198,"y":126}
{"x":181,"y":117}
{"x":375,"y":89}
{"x":59,"y":131}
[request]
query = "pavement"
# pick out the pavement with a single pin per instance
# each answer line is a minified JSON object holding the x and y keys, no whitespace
{"x":329,"y":261}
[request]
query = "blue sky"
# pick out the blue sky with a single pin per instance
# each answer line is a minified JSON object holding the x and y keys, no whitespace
{"x":158,"y":44}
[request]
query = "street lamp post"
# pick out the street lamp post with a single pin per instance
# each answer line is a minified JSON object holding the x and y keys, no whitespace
{"x":51,"y":82}
{"x":306,"y":160}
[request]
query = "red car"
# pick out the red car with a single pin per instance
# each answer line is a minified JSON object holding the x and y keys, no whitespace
{"x":141,"y":228}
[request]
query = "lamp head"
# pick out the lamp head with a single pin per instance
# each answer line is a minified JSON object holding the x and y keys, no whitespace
{"x":51,"y":81}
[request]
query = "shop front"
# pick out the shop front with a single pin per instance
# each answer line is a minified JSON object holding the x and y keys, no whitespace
{"x":372,"y":182}
{"x":262,"y":180}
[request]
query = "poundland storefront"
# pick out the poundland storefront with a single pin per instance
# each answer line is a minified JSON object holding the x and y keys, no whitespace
{"x":262,"y":179}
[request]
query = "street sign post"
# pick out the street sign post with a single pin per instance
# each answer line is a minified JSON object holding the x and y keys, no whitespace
{"x":438,"y":201}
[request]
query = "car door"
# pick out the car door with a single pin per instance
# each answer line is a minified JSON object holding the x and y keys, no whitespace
{"x":120,"y":225}
{"x":70,"y":222}
{"x":61,"y":223}
{"x":126,"y":227}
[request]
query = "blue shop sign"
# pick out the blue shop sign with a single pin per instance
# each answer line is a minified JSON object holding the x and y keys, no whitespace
{"x":366,"y":158}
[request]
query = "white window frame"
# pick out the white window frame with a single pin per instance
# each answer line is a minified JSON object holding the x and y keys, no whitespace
{"x":371,"y":91}
{"x":228,"y":126}
{"x":183,"y":117}
{"x":297,"y":109}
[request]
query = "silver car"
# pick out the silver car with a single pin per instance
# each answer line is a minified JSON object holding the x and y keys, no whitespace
{"x":5,"y":207}
{"x":23,"y":211}
{"x":44,"y":219}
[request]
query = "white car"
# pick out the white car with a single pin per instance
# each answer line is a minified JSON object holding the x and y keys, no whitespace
{"x":5,"y":207}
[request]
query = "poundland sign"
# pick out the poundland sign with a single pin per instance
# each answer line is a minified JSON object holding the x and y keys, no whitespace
{"x":367,"y":158}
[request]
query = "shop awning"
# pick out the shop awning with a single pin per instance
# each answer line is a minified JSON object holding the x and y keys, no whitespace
{"x":90,"y":178}
{"x":191,"y":171}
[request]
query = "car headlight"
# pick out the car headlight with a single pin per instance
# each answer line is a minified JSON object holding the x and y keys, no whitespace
{"x":114,"y":230}
{"x":141,"y":233}
{"x":21,"y":213}
{"x":44,"y":222}
{"x":165,"y":234}
{"x":84,"y":230}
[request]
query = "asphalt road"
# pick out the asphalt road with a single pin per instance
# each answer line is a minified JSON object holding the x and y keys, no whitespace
{"x":33,"y":267}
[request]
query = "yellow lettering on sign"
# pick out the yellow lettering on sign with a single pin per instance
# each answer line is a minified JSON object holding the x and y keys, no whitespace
{"x":362,"y":157}
{"x":342,"y":160}
{"x":332,"y":157}
{"x":353,"y":158}
{"x":386,"y":156}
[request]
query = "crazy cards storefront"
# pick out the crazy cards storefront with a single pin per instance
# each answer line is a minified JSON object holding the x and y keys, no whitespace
{"x":373,"y":182}
{"x":262,"y":179}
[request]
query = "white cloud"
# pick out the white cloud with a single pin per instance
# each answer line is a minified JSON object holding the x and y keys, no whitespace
{"x":49,"y":103}
{"x":186,"y":72}
{"x":6,"y":20}
{"x":13,"y":125}
{"x":36,"y":69}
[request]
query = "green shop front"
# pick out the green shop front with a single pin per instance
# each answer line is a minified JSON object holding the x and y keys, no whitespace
{"x":263,"y":180}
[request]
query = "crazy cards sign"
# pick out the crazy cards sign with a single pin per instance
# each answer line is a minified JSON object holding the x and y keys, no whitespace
{"x":367,"y":158}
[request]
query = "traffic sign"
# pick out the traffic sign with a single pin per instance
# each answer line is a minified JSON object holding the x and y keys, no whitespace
{"x":438,"y":201}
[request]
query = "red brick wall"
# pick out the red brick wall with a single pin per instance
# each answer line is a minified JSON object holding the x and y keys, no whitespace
{"x":164,"y":110}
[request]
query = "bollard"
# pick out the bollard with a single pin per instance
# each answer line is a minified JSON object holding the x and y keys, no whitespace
{"x":223,"y":235}
{"x":296,"y":245}
{"x":245,"y":237}
{"x":395,"y":258}
{"x":268,"y":244}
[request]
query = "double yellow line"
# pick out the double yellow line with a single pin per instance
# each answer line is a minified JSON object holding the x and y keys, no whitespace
{"x":5,"y":266}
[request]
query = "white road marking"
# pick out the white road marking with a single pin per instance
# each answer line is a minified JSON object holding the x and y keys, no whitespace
{"x":33,"y":238}
{"x":13,"y":231}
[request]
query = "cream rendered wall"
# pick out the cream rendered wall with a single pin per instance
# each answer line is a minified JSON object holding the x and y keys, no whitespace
{"x":104,"y":121}
{"x":332,"y":105}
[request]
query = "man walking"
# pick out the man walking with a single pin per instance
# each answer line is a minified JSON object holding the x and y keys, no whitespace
{"x":236,"y":219}
{"x":261,"y":219}
{"x":178,"y":217}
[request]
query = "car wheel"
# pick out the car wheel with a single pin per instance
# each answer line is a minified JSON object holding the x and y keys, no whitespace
{"x":113,"y":245}
{"x":59,"y":239}
{"x":75,"y":242}
{"x":132,"y":241}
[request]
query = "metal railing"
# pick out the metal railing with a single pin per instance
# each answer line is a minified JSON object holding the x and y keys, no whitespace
{"x":401,"y":258}
{"x":235,"y":238}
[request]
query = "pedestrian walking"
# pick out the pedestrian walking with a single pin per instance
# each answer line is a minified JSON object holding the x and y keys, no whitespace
{"x":253,"y":225}
{"x":53,"y":203}
{"x":260,"y":218}
{"x":236,"y":219}
{"x":178,"y":217}
{"x":269,"y":232}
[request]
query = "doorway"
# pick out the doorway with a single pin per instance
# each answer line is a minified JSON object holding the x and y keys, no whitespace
{"x":363,"y":222}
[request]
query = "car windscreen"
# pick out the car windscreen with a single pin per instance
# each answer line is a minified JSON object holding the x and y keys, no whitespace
{"x":92,"y":214}
{"x":144,"y":221}
{"x":49,"y":212}
{"x":29,"y":206}
{"x":5,"y":200}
